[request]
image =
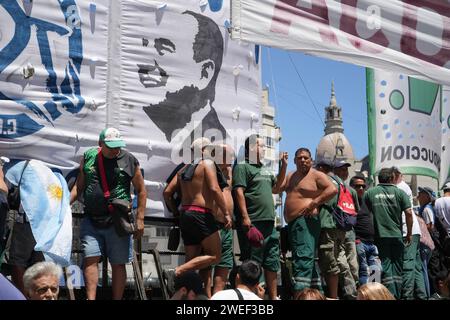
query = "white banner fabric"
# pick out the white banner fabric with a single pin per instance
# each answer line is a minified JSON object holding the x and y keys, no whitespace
{"x":404,"y":120}
{"x":410,"y":36}
{"x":159,"y":72}
{"x":445,"y":156}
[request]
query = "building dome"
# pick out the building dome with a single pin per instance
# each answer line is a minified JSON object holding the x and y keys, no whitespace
{"x":334,"y":145}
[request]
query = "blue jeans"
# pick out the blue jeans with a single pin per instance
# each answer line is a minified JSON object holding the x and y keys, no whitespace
{"x":96,"y":242}
{"x":425,"y":255}
{"x":367,"y":257}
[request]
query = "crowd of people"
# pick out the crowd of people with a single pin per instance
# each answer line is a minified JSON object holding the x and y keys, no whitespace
{"x":346,"y":241}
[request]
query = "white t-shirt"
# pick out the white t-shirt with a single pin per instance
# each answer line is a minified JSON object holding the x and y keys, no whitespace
{"x":428,"y":215}
{"x":442,"y":211}
{"x":230,"y":294}
{"x":415,"y":227}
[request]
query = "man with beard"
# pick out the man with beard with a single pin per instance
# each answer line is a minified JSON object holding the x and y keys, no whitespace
{"x":173,"y":101}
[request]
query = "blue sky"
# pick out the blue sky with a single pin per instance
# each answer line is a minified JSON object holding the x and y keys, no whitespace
{"x":300,"y":124}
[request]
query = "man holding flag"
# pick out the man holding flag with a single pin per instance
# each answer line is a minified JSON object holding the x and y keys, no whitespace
{"x":42,"y":228}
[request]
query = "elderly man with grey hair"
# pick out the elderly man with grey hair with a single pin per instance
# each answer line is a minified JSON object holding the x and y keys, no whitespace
{"x":41,"y":281}
{"x":200,"y":190}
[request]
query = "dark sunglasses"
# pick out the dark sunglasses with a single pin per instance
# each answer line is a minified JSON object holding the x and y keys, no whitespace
{"x":359,"y":186}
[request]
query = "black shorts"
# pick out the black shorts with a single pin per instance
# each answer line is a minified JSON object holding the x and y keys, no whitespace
{"x":196,"y":226}
{"x":21,"y":251}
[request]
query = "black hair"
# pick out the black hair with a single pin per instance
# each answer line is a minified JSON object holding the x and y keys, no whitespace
{"x":396,"y":170}
{"x":357,"y":177}
{"x":385,"y":175}
{"x":441,"y":276}
{"x":249,"y":272}
{"x":250,"y":141}
{"x":304,"y":150}
{"x":191,"y":280}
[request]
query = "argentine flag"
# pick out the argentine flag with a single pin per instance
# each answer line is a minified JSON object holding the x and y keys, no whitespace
{"x":45,"y":198}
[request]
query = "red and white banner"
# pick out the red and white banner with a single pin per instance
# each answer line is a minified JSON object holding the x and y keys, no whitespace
{"x":410,"y":36}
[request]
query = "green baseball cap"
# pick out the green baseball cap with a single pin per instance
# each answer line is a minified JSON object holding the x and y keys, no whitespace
{"x":112,"y":138}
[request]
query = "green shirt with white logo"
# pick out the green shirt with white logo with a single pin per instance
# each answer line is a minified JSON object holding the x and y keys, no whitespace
{"x":387,"y":202}
{"x":257,"y":183}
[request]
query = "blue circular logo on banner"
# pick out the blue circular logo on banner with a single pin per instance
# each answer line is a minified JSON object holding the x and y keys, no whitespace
{"x":41,"y":66}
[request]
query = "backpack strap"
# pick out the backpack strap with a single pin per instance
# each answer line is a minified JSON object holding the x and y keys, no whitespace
{"x":101,"y":169}
{"x":239,"y":294}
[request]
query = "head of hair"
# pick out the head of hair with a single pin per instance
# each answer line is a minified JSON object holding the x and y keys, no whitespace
{"x":310,"y":294}
{"x":190,"y":280}
{"x":357,"y":177}
{"x":250,"y":142}
{"x":385,"y":175}
{"x":208,"y":44}
{"x":443,"y":276}
{"x":396,"y":170}
{"x":303,"y":150}
{"x":374,"y":291}
{"x":198,"y":145}
{"x":249,"y":272}
{"x":40,"y":269}
{"x":221,"y":152}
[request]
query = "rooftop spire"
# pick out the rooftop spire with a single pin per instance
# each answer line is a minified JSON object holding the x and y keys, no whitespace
{"x":333,"y":95}
{"x":333,"y":115}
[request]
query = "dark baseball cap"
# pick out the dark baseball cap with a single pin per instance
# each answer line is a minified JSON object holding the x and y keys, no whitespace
{"x":324,"y":162}
{"x":428,"y":191}
{"x":341,"y":163}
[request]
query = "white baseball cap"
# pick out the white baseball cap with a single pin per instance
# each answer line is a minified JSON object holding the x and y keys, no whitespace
{"x":112,"y":138}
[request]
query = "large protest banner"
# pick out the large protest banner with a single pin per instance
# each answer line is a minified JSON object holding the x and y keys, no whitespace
{"x":162,"y":73}
{"x":404,"y":121}
{"x":445,"y":140}
{"x":410,"y":36}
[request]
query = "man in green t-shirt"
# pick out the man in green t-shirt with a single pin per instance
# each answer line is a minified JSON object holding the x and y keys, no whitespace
{"x":387,"y":202}
{"x":253,"y":186}
{"x":97,"y":232}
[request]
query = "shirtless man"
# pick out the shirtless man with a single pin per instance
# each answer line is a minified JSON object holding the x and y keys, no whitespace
{"x":199,"y":188}
{"x":224,"y":156}
{"x":306,"y":190}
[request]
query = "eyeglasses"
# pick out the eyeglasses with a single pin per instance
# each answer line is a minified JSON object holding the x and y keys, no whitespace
{"x":359,"y":186}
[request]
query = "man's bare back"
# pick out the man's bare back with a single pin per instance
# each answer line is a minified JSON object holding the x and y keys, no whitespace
{"x":196,"y":191}
{"x":306,"y":188}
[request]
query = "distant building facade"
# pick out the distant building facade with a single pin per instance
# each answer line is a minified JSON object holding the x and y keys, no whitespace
{"x":271,"y":134}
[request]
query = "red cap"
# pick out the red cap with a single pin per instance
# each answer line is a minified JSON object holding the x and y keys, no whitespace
{"x":255,"y":237}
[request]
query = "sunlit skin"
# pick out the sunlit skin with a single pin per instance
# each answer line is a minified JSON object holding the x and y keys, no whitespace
{"x":341,"y":172}
{"x":109,"y":153}
{"x":303,"y":162}
{"x":45,"y":287}
{"x":360,"y":187}
{"x":306,"y":188}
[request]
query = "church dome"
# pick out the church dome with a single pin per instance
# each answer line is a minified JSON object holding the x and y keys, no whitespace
{"x":334,"y":145}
